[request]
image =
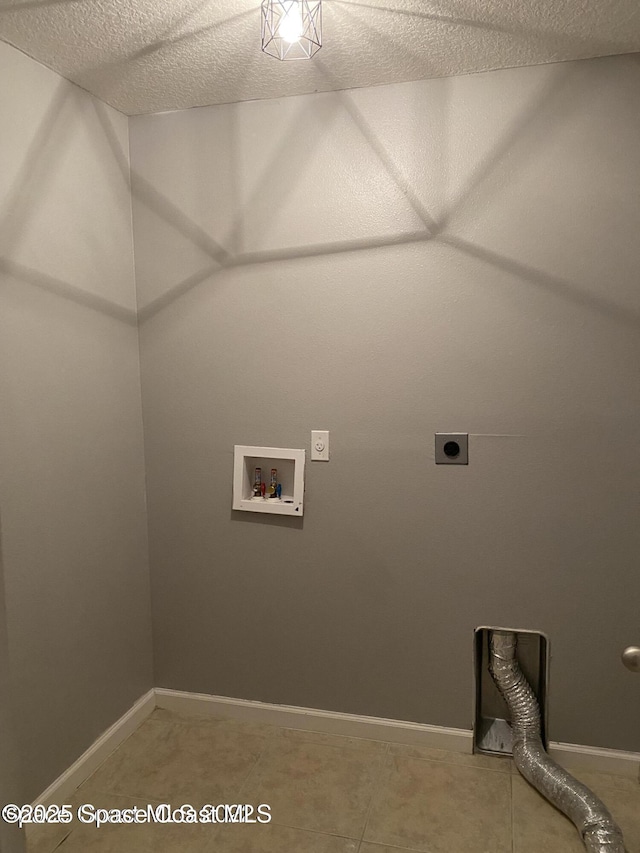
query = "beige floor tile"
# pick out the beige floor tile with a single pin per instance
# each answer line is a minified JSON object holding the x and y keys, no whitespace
{"x":438,"y":807}
{"x":46,"y":838}
{"x":163,"y":715}
{"x":120,"y":838}
{"x":137,"y":838}
{"x":315,"y":786}
{"x":485,"y":762}
{"x":271,"y":838}
{"x":364,"y":744}
{"x":179,"y":763}
{"x":537,"y":825}
{"x":319,"y":787}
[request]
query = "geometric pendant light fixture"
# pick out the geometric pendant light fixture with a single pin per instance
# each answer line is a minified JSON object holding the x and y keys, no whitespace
{"x":291,"y":29}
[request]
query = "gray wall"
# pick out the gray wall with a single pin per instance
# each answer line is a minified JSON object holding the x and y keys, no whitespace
{"x":11,"y":837}
{"x":71,"y":446}
{"x":455,"y":254}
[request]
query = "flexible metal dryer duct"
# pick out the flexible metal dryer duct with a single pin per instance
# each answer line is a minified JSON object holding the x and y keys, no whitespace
{"x":599,"y":831}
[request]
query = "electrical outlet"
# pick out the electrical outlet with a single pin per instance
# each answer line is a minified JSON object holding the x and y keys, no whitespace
{"x":452,"y":448}
{"x":319,"y":445}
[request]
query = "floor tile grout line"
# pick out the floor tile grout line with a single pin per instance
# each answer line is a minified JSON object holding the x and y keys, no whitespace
{"x":376,"y":788}
{"x":513,"y":838}
{"x":322,"y":832}
{"x":268,"y":741}
{"x":461,"y":766}
{"x":204,"y":720}
{"x":450,"y":763}
{"x":394,"y":847}
{"x":381,"y":756}
{"x":56,"y":844}
{"x":60,"y":843}
{"x":148,"y":799}
{"x":351,"y":747}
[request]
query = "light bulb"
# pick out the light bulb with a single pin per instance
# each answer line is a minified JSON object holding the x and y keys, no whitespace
{"x":290,"y":28}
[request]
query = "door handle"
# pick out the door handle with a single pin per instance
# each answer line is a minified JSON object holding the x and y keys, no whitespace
{"x":631,"y":658}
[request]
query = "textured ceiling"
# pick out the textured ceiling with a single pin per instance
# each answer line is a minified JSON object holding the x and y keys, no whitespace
{"x":151,"y":55}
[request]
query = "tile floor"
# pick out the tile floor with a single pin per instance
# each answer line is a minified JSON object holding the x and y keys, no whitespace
{"x":327,"y":794}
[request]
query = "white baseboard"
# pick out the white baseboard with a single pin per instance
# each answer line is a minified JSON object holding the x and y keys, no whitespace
{"x":59,"y":790}
{"x":571,"y":756}
{"x":312,"y":719}
{"x":593,"y":759}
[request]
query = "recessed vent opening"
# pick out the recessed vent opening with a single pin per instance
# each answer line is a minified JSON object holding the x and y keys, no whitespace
{"x":491,"y":730}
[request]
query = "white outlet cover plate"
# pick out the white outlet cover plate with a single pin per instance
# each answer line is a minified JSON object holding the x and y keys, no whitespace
{"x":319,"y":445}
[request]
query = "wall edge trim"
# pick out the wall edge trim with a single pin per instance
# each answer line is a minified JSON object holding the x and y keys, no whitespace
{"x":595,"y":759}
{"x":78,"y":772}
{"x":315,"y":719}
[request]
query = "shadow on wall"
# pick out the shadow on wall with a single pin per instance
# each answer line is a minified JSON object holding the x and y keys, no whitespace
{"x":289,"y":521}
{"x":547,"y":109}
{"x":564,"y":89}
{"x":37,"y":170}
